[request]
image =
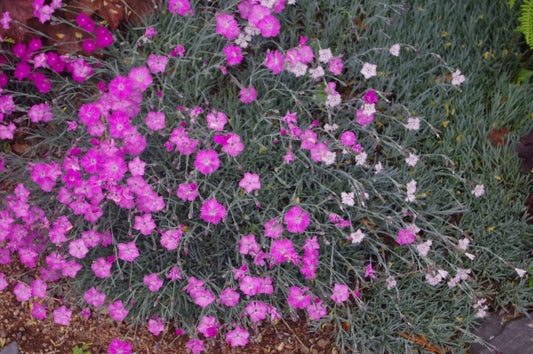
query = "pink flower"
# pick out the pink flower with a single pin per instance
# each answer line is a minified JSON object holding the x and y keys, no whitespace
{"x":297,"y":299}
{"x":229,"y":297}
{"x":250,"y":182}
{"x":101,"y":268}
{"x":203,"y":297}
{"x":273,"y":228}
{"x":237,"y":337}
{"x":233,"y":145}
{"x":156,"y":327}
{"x":212,"y":211}
{"x":283,"y":250}
{"x":233,"y":54}
{"x":227,"y":26}
{"x":140,"y":78}
{"x":257,"y":311}
{"x":93,"y":297}
{"x":340,"y":294}
{"x":155,"y":120}
{"x":157,"y":63}
{"x":247,"y":94}
{"x":40,"y":113}
{"x":3,"y":282}
{"x":269,"y":26}
{"x":275,"y":62}
{"x":187,"y":192}
{"x":206,"y":162}
{"x":316,"y":310}
{"x":22,"y":292}
{"x":335,"y":66}
{"x":196,"y":346}
{"x":405,"y":237}
{"x":170,"y":239}
{"x":144,"y":224}
{"x":153,"y":282}
{"x":149,"y":32}
{"x":118,"y":347}
{"x":127,"y":251}
{"x":216,"y":121}
{"x":362,"y":118}
{"x":117,"y":310}
{"x":250,"y":285}
{"x":208,"y":326}
{"x":297,"y":220}
{"x":62,"y":316}
{"x":77,"y":249}
{"x":248,"y":245}
{"x":5,"y":20}
{"x":369,"y":272}
{"x":38,"y":288}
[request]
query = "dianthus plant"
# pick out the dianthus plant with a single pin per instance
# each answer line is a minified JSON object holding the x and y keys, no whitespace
{"x":223,"y":173}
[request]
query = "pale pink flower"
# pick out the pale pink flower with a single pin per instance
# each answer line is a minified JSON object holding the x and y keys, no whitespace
{"x":62,"y":316}
{"x":128,"y":251}
{"x":156,"y":327}
{"x":153,"y":282}
{"x":412,"y":160}
{"x":157,"y":63}
{"x":478,"y":191}
{"x":196,"y":346}
{"x":369,"y":70}
{"x":273,"y":228}
{"x":237,"y":337}
{"x":257,"y":311}
{"x":229,"y":297}
{"x":297,"y":220}
{"x":250,"y":182}
{"x":22,"y":292}
{"x":117,"y":310}
{"x":341,"y":293}
{"x":144,"y":223}
{"x":77,"y":248}
{"x":216,"y":121}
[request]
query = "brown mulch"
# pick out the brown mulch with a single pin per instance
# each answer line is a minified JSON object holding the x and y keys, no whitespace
{"x":46,"y":337}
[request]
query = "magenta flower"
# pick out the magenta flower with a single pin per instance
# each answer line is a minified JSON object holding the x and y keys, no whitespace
{"x":297,"y":220}
{"x":38,"y":311}
{"x":62,"y":316}
{"x":233,"y":55}
{"x":297,"y":299}
{"x":212,"y":211}
{"x":157,"y":63}
{"x":38,"y":288}
{"x":369,"y":272}
{"x":93,"y":297}
{"x":283,"y":250}
{"x":208,"y":326}
{"x":121,"y":87}
{"x":153,"y":282}
{"x":180,"y":7}
{"x":145,"y":224}
{"x":405,"y":237}
{"x":269,"y":26}
{"x":348,"y":138}
{"x":117,"y":310}
{"x":370,"y":97}
{"x":227,"y":26}
{"x":229,"y":297}
{"x":103,"y":37}
{"x":237,"y":337}
{"x":250,"y":182}
{"x":340,"y":294}
{"x":274,"y":62}
{"x":196,"y":346}
{"x":85,"y":22}
{"x":247,"y":94}
{"x":127,"y":251}
{"x":206,"y":161}
{"x":118,"y":347}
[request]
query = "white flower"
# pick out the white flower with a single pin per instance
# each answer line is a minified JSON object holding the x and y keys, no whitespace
{"x":457,"y":78}
{"x":251,"y":30}
{"x":298,"y":70}
{"x":411,"y":187}
{"x":413,"y":228}
{"x":470,"y":256}
{"x":423,"y":248}
{"x":369,"y":70}
{"x":325,"y":55}
{"x":242,"y":40}
{"x":433,"y":279}
{"x":361,"y":158}
{"x":291,"y":2}
{"x":268,"y":3}
{"x":395,"y":50}
{"x":317,"y":72}
{"x":410,"y":198}
{"x":463,"y":273}
{"x":357,"y":237}
{"x":412,"y":160}
{"x":378,"y":167}
{"x":333,"y":100}
{"x":347,"y":198}
{"x":412,"y":124}
{"x":330,"y":128}
{"x":478,"y":190}
{"x":520,"y":272}
{"x":391,"y":283}
{"x":463,"y":244}
{"x":369,"y":109}
{"x":329,"y":158}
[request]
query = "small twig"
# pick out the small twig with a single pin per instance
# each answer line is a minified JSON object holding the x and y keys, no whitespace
{"x":295,"y":335}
